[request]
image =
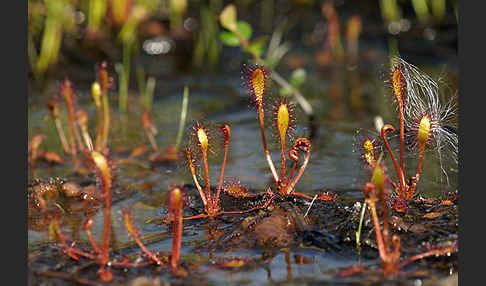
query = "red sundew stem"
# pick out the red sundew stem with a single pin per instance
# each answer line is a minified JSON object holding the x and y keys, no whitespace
{"x":152,"y":140}
{"x":386,"y":233}
{"x":99,"y":128}
{"x":76,"y":132}
{"x":71,"y":139}
{"x":301,"y":171}
{"x":393,"y":184}
{"x":432,"y":252}
{"x":241,"y":212}
{"x":176,"y":209}
{"x":397,"y":169}
{"x":402,"y":138}
{"x":267,"y":153}
{"x":302,"y":195}
{"x":73,"y":130}
{"x":133,"y":232}
{"x":196,"y":216}
{"x":92,"y":241}
{"x":106,"y":233}
{"x":292,"y":171}
{"x":206,"y":175}
{"x":282,"y":166}
{"x":226,"y":147}
{"x":379,"y":239}
{"x":199,"y":189}
{"x":69,"y":250}
{"x":419,"y":170}
{"x":106,"y":121}
{"x":60,"y":131}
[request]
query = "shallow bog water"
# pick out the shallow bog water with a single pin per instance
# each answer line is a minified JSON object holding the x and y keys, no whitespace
{"x":341,"y":108}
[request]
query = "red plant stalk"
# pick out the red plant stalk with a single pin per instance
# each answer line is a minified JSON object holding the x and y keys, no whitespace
{"x":379,"y":239}
{"x":294,"y":155}
{"x":105,"y":177}
{"x":192,"y":168}
{"x":264,"y":141}
{"x":83,"y":123}
{"x":402,"y":137}
{"x":134,"y":233}
{"x":87,"y":227}
{"x":104,"y":83}
{"x":70,"y":126}
{"x":389,"y":259}
{"x":256,"y":80}
{"x":434,"y":252}
{"x":175,"y":209}
{"x":422,"y":137}
{"x":401,"y":177}
{"x":96,"y":92}
{"x":54,"y":113}
{"x":203,"y":140}
{"x":68,"y":95}
{"x":412,"y":188}
{"x":150,"y":129}
{"x":300,"y":143}
{"x":225,"y":129}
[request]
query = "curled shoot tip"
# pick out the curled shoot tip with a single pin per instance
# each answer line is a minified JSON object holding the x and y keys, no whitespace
{"x":225,"y":129}
{"x":387,"y":128}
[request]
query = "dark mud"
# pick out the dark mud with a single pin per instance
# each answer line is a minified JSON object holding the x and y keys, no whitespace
{"x":248,"y":243}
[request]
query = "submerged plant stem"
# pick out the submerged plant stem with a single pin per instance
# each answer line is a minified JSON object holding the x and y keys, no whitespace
{"x":182,"y":121}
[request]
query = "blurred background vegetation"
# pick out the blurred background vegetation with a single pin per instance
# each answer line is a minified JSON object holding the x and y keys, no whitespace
{"x":65,"y":36}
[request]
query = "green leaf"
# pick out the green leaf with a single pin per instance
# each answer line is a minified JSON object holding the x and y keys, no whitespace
{"x":228,"y":17}
{"x":298,"y":77}
{"x":229,"y":39}
{"x":245,"y":29}
{"x":257,"y":46}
